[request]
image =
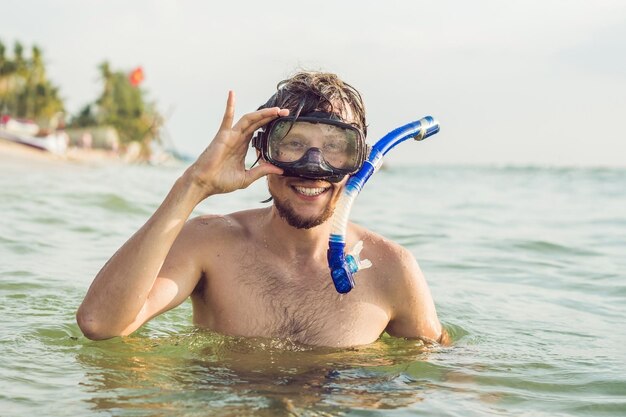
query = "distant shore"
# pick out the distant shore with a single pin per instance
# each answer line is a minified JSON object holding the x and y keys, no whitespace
{"x":15,"y":152}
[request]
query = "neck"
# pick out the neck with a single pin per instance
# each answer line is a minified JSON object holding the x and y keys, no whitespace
{"x":309,"y":244}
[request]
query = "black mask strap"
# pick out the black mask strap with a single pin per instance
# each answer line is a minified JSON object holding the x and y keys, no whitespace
{"x":255,"y":162}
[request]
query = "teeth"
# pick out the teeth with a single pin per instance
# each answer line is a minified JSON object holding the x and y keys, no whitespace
{"x":310,"y":191}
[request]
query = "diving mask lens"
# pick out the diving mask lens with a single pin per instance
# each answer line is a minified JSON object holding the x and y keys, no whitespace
{"x":341,"y":145}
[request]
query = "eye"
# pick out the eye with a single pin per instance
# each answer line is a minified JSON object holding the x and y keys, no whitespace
{"x":335,"y":146}
{"x":294,"y":143}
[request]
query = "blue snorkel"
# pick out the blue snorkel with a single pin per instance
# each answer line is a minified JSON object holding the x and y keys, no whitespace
{"x":344,"y":266}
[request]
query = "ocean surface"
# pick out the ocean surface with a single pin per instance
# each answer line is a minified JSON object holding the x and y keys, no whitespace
{"x":527,"y":266}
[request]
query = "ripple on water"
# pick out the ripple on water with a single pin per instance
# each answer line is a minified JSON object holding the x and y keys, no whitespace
{"x":21,"y":246}
{"x":552,"y":249}
{"x":111,"y":202}
{"x":49,"y":220}
{"x":84,"y":229}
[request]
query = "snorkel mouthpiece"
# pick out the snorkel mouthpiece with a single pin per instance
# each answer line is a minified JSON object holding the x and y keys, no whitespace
{"x":343,"y":266}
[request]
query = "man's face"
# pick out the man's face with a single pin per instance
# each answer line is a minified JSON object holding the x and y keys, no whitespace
{"x":304,"y":203}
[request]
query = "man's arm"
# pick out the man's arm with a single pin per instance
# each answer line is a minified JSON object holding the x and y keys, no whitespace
{"x":150,"y":274}
{"x":413,"y":309}
{"x":125,"y":294}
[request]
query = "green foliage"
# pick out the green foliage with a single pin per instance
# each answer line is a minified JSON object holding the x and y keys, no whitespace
{"x":85,"y":117}
{"x":25,"y":91}
{"x":122,"y":106}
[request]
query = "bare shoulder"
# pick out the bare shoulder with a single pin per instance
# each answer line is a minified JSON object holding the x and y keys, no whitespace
{"x":221,"y":226}
{"x":403,"y":286}
{"x":209,"y":242}
{"x":390,"y":258}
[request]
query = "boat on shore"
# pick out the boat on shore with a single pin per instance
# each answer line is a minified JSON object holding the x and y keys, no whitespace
{"x":95,"y":143}
{"x":28,"y":133}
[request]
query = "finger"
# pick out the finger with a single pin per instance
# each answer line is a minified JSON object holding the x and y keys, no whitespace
{"x":252,"y":121}
{"x":261,"y":171}
{"x":229,"y":113}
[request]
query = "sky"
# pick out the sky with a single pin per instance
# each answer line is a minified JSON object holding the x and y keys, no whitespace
{"x":511,"y":82}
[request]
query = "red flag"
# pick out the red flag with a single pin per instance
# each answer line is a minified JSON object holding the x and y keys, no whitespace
{"x":136,"y":76}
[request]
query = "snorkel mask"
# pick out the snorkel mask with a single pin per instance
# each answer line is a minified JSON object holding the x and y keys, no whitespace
{"x":316,"y":145}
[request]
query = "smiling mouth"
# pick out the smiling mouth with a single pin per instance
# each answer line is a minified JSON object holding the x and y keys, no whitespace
{"x":310,"y":191}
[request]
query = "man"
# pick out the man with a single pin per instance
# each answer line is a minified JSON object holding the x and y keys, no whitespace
{"x":264,"y":272}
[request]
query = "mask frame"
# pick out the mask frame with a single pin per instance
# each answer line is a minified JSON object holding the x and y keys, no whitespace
{"x":312,"y":164}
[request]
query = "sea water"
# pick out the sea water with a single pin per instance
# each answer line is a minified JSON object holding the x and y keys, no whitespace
{"x":526,"y":265}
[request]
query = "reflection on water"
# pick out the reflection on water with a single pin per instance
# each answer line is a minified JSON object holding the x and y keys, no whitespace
{"x":235,"y":376}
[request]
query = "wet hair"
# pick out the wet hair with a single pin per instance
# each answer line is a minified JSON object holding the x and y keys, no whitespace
{"x":309,"y":91}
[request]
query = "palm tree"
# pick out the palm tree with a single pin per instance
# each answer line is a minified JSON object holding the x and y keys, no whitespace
{"x":25,"y":90}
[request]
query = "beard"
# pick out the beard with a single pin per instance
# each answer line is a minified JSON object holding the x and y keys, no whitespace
{"x":286,"y":211}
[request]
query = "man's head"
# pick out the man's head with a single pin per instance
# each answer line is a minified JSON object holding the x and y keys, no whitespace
{"x":324,"y":135}
{"x":306,"y":201}
{"x":309,"y":91}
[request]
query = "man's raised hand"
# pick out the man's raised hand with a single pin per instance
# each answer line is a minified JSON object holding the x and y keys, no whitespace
{"x":221,"y":167}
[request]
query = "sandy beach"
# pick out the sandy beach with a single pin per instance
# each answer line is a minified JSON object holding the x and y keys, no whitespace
{"x":11,"y":152}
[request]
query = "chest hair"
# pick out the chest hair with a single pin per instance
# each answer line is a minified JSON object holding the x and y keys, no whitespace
{"x":293,"y":303}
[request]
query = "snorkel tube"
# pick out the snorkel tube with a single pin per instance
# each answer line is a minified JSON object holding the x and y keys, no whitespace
{"x":343,"y":266}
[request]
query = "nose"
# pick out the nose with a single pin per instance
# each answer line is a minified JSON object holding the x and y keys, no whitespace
{"x":311,"y":165}
{"x":313,"y":157}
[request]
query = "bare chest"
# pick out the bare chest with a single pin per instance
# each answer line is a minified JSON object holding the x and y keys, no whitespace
{"x":263,"y":300}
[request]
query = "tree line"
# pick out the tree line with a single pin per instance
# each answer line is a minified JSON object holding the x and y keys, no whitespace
{"x":27,"y":93}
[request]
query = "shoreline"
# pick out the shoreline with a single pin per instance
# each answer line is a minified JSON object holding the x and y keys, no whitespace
{"x":16,"y":152}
